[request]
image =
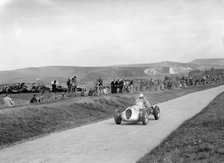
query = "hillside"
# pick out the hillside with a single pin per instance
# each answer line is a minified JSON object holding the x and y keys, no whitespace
{"x":209,"y":61}
{"x":160,"y":64}
{"x":89,"y":74}
{"x":60,"y":73}
{"x":42,"y":74}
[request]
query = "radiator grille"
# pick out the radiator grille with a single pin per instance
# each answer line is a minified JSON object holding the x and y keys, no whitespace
{"x":128,"y":113}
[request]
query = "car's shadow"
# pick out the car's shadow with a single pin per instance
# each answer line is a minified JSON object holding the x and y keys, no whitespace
{"x":130,"y":123}
{"x":135,"y":123}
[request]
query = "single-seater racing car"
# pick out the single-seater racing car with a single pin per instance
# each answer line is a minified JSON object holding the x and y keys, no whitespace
{"x":136,"y":113}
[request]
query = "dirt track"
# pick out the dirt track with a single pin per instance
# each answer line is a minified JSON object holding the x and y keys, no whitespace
{"x":107,"y":142}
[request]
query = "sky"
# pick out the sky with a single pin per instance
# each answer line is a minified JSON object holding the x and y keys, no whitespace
{"x":37,"y":33}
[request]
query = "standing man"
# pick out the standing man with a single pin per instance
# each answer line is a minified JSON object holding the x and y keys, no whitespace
{"x":74,"y":85}
{"x":69,"y":85}
{"x":116,"y":86}
{"x":112,"y":86}
{"x":121,"y":85}
{"x":100,"y":85}
{"x":131,"y":86}
{"x":97,"y":86}
{"x":54,"y":87}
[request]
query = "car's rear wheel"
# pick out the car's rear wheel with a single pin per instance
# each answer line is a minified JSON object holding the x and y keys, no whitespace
{"x":117,"y":117}
{"x":145,"y":117}
{"x":156,"y":112}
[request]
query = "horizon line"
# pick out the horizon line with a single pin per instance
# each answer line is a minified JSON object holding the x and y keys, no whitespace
{"x":115,"y":65}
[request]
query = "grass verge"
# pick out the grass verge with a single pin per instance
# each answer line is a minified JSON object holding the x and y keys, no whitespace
{"x":17,"y":124}
{"x":199,"y":139}
{"x":29,"y":121}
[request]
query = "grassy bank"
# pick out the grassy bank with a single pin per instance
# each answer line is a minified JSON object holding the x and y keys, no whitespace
{"x":199,"y":139}
{"x":24,"y":122}
{"x":17,"y":124}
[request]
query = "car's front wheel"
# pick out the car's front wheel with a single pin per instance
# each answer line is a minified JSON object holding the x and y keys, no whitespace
{"x":117,"y":117}
{"x":145,"y":117}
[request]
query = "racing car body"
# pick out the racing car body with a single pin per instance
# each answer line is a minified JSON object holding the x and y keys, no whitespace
{"x":136,"y":113}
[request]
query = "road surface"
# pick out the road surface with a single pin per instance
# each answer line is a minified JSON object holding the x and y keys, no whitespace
{"x":107,"y":142}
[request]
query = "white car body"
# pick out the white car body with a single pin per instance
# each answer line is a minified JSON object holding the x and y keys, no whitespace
{"x":136,"y":113}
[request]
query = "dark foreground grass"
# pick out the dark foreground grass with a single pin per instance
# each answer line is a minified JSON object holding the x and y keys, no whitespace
{"x":29,"y":121}
{"x":200,"y":139}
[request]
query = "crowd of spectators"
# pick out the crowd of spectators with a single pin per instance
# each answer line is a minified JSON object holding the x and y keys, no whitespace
{"x":168,"y":82}
{"x":71,"y":85}
{"x":98,"y":88}
{"x":127,"y":86}
{"x":146,"y":84}
{"x":117,"y":86}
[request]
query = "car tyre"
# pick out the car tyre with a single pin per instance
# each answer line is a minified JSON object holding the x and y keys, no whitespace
{"x":145,"y":117}
{"x":156,"y":112}
{"x":117,"y":117}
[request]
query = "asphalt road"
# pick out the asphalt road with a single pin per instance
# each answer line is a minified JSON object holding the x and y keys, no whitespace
{"x":107,"y":142}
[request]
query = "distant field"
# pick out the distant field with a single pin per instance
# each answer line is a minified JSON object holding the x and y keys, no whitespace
{"x":24,"y":122}
{"x":200,"y":139}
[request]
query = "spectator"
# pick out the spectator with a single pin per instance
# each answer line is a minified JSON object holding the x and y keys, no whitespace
{"x":74,"y":85}
{"x":8,"y":101}
{"x":116,"y":86}
{"x":54,"y":86}
{"x":105,"y":91}
{"x":100,"y":85}
{"x":97,"y":87}
{"x":112,"y":84}
{"x":83,"y":92}
{"x":34,"y":99}
{"x":63,"y":96}
{"x":69,"y":85}
{"x":131,"y":84}
{"x":41,"y":98}
{"x":92,"y":92}
{"x":126,"y":86}
{"x":121,"y":85}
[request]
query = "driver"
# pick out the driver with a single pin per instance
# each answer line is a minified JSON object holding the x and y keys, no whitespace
{"x":144,"y":101}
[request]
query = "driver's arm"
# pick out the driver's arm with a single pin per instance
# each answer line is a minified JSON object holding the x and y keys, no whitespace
{"x":146,"y":103}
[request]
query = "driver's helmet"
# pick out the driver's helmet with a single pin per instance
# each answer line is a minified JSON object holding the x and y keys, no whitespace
{"x":141,"y":95}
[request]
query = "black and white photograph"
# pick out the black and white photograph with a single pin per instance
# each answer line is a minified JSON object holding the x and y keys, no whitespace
{"x":111,"y":81}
